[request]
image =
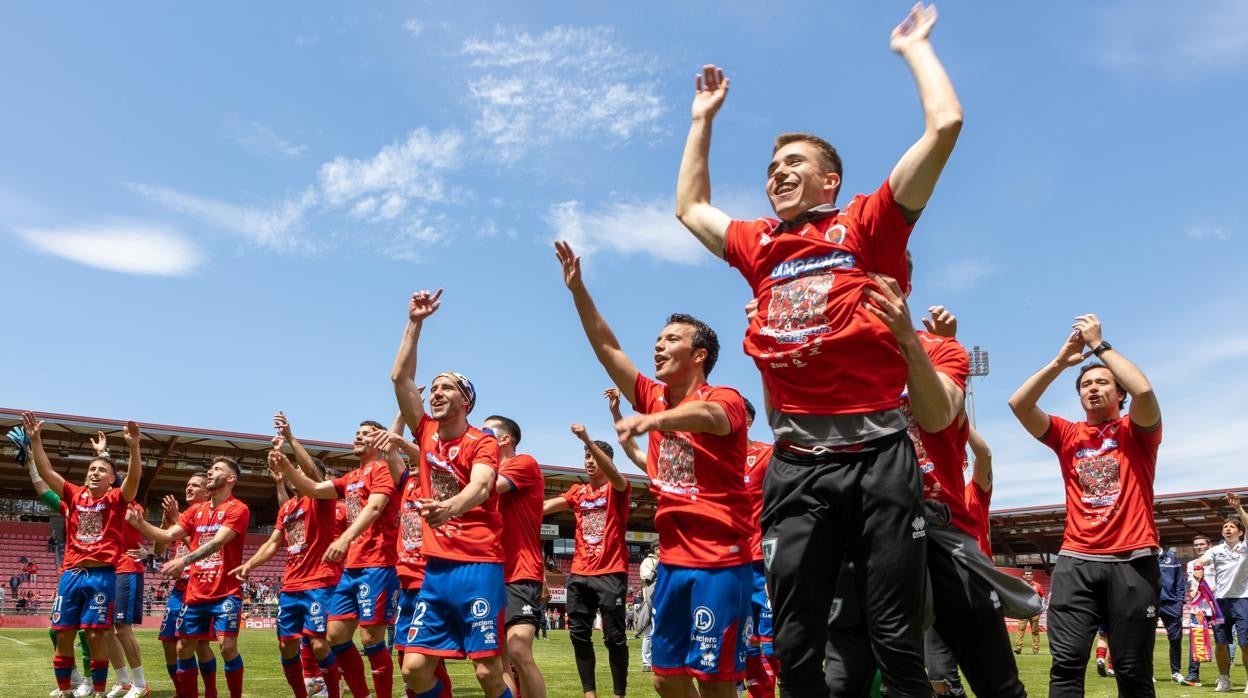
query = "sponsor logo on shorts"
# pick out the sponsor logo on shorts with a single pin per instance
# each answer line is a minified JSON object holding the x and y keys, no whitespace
{"x":480,"y":608}
{"x":526,"y":610}
{"x":1150,"y":612}
{"x":227,"y":606}
{"x":315,"y":609}
{"x":703,"y":619}
{"x":996,"y":600}
{"x":364,"y":591}
{"x":99,"y":598}
{"x":919,"y":525}
{"x":708,"y":659}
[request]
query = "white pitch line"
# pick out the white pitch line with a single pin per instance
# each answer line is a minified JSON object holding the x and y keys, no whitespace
{"x":13,"y":639}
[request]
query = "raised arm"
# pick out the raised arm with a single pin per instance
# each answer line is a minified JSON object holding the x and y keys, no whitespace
{"x":302,"y":458}
{"x":388,"y":443}
{"x":603,"y":461}
{"x":161,"y":536}
{"x":630,"y":445}
{"x":693,"y":184}
{"x":606,"y":347}
{"x":403,"y":374}
{"x":1233,"y":500}
{"x":935,"y":399}
{"x":480,"y":484}
{"x":914,"y":177}
{"x":169,"y":516}
{"x":34,"y":431}
{"x":1145,"y":411}
{"x":134,"y":472}
{"x":1024,"y":401}
{"x":981,"y":472}
{"x":303,"y":484}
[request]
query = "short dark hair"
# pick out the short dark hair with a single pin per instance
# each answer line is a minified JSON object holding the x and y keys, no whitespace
{"x":1234,"y":520}
{"x":1201,"y":536}
{"x":1122,"y":399}
{"x":508,"y":424}
{"x":749,"y":408}
{"x":606,"y":448}
{"x":105,"y":459}
{"x":372,"y":423}
{"x":830,"y":159}
{"x":703,"y":338}
{"x":230,"y":462}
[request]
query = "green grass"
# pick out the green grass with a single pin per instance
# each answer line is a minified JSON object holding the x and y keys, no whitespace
{"x":25,"y":656}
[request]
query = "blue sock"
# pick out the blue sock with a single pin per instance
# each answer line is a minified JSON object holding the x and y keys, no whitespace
{"x":506,"y":693}
{"x":188,"y":664}
{"x":286,"y":661}
{"x":327,"y":662}
{"x":208,"y":667}
{"x":433,"y":692}
{"x":235,"y":664}
{"x":339,"y":649}
{"x":173,"y":669}
{"x":370,"y":650}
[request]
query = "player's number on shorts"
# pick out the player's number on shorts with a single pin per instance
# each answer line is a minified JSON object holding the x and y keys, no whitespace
{"x":418,"y":614}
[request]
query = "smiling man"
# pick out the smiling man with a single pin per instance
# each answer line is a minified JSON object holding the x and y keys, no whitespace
{"x":696,"y":464}
{"x":1106,"y":571}
{"x":832,"y":371}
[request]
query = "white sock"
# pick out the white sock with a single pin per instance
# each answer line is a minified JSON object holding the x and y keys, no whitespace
{"x":76,"y":676}
{"x":137,"y":673}
{"x":123,"y":675}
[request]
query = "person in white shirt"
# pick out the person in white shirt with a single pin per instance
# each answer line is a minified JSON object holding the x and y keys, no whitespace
{"x":1230,"y":577}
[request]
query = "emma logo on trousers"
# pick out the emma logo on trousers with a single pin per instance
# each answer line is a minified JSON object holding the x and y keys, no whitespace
{"x":919,"y":525}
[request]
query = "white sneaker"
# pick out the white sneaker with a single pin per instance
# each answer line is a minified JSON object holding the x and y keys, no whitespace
{"x":86,"y":688}
{"x":119,"y":690}
{"x":1223,"y":685}
{"x":138,"y":691}
{"x":58,"y":693}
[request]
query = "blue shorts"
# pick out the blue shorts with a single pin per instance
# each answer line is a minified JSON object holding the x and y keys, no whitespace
{"x":408,"y":598}
{"x":204,"y":621}
{"x":760,"y":615}
{"x":367,"y":594}
{"x":169,"y":622}
{"x":702,"y":622}
{"x":303,"y":613}
{"x":84,"y":598}
{"x":460,"y":611}
{"x":1234,"y":614}
{"x":128,"y":607}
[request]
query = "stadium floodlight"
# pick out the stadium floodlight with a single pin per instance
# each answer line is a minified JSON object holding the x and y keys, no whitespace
{"x":978,"y":369}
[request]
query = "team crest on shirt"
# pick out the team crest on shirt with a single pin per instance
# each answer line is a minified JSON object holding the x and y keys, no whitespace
{"x":835,"y":234}
{"x":675,"y":466}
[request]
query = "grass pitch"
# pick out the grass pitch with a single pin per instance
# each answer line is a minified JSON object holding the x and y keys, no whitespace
{"x":26,"y":660}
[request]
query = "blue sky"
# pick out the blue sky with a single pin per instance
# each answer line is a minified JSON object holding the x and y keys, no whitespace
{"x":211,"y":213}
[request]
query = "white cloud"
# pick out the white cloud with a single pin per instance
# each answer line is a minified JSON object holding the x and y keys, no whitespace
{"x":135,"y":248}
{"x":277,"y":226}
{"x":568,"y":82}
{"x":407,"y":170}
{"x":1174,"y":39}
{"x":414,"y":26}
{"x":415,"y":237}
{"x":966,"y":274}
{"x":627,"y":228}
{"x":254,"y":135}
{"x":1208,"y":232}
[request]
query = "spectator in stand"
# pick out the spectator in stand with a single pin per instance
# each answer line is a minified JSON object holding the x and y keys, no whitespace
{"x":32,"y":572}
{"x":14,"y":582}
{"x":51,"y":544}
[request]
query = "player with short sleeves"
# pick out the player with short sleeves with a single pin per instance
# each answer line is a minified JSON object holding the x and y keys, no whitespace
{"x":1107,"y":568}
{"x":304,"y":528}
{"x":1224,"y":564}
{"x":599,"y":576}
{"x":94,"y":515}
{"x":521,"y":490}
{"x":463,"y":600}
{"x":217,"y":529}
{"x":832,"y":371}
{"x":695,"y":462}
{"x":760,"y":672}
{"x":366,"y":596}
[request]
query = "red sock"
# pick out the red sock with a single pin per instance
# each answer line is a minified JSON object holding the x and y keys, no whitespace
{"x":310,"y":669}
{"x":352,"y":667}
{"x":234,"y":678}
{"x":332,"y":680}
{"x":209,"y":671}
{"x":758,"y":679}
{"x":63,"y":667}
{"x":1100,"y":652}
{"x":99,"y":675}
{"x":383,"y":668}
{"x":441,"y":675}
{"x":294,"y":676}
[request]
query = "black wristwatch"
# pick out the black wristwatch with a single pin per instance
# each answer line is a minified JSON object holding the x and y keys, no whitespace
{"x":1104,"y":347}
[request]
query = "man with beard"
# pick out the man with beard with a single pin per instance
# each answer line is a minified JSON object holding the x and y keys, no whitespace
{"x":462,"y":601}
{"x":696,"y":462}
{"x":94,"y":537}
{"x":217,"y":529}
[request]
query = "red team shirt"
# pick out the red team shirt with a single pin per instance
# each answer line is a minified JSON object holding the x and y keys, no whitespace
{"x":521,"y":509}
{"x":308,"y":525}
{"x":411,"y":539}
{"x":1108,"y":470}
{"x":757,"y":456}
{"x":474,"y":535}
{"x":130,"y":539}
{"x":209,"y":581}
{"x":375,"y":546}
{"x":810,"y":286}
{"x":601,"y":520}
{"x":977,"y":503}
{"x":703,"y":511}
{"x":94,"y":528}
{"x":942,"y":455}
